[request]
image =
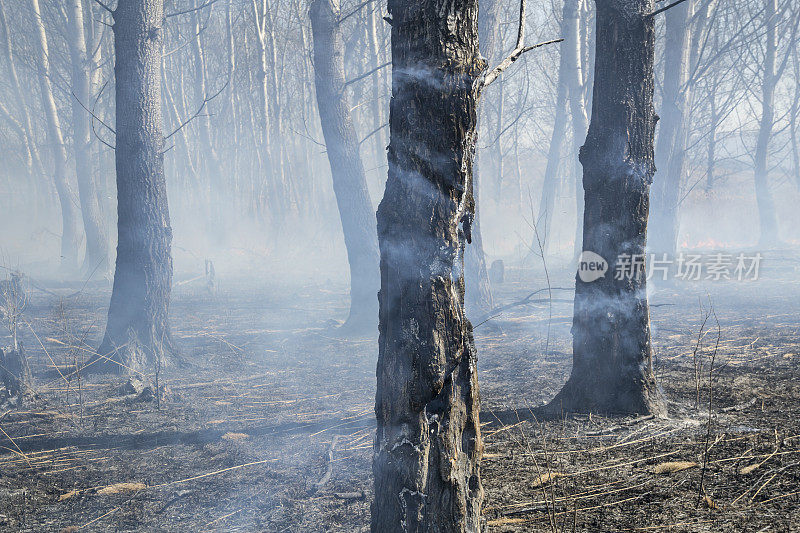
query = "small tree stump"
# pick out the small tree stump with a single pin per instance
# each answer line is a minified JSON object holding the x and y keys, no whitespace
{"x":15,"y":374}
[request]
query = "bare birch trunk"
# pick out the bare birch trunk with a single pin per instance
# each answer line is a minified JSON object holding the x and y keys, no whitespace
{"x":69,"y":233}
{"x":96,"y":259}
{"x":577,"y":103}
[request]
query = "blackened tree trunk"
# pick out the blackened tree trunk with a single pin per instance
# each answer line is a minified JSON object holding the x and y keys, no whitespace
{"x":96,"y":258}
{"x":670,"y":146}
{"x":428,"y":444}
{"x":137,"y":333}
{"x":612,"y":354}
{"x":347,"y":169}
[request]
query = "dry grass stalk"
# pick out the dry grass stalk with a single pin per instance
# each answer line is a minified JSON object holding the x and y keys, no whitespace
{"x":234,"y":436}
{"x":671,"y":467}
{"x":544,"y":479}
{"x":118,"y":488}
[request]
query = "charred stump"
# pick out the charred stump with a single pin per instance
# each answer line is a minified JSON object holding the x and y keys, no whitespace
{"x":15,"y":376}
{"x":612,"y":369}
{"x":428,"y":444}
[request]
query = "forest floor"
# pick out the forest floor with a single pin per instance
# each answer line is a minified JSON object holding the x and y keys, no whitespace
{"x":240,"y":438}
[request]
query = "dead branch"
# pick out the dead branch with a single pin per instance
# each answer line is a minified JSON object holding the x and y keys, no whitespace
{"x":366,"y":74}
{"x":104,"y":6}
{"x":185,"y":11}
{"x":199,"y":110}
{"x":328,"y":471}
{"x":670,"y":6}
{"x":519,"y":49}
{"x":355,"y":10}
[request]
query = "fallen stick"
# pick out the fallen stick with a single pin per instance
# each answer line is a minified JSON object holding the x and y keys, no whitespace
{"x":328,"y":471}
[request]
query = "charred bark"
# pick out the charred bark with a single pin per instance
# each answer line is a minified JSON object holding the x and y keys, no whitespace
{"x":428,"y":444}
{"x":347,"y":169}
{"x":612,"y":353}
{"x":137,"y":333}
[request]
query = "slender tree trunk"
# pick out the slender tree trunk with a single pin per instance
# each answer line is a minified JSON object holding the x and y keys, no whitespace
{"x":577,"y":103}
{"x":766,"y":206}
{"x":711,"y":148}
{"x":347,"y":170}
{"x":551,"y":181}
{"x":378,"y":142}
{"x":612,"y":354}
{"x":478,"y":296}
{"x":137,"y":332}
{"x":33,"y":156}
{"x":96,"y":259}
{"x":428,"y":444}
{"x":671,"y":136}
{"x":793,"y":113}
{"x":69,"y":233}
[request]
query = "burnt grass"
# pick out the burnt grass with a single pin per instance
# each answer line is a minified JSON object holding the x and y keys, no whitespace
{"x":242,"y":434}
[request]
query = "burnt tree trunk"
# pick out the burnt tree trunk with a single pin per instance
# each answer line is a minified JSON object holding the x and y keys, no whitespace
{"x":137,"y":330}
{"x":428,"y":445}
{"x":347,"y":169}
{"x":612,"y":354}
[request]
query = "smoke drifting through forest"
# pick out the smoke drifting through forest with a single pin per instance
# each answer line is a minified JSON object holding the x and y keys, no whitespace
{"x":192,"y":143}
{"x":228,"y":192}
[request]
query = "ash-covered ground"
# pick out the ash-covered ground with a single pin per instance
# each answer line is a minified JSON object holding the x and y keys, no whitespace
{"x":269,"y":427}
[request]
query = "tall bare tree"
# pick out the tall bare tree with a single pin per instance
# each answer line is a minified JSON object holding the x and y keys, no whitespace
{"x":671,"y":136}
{"x":55,"y":138}
{"x":137,"y":332}
{"x":770,"y":74}
{"x":347,"y":169}
{"x":96,"y":257}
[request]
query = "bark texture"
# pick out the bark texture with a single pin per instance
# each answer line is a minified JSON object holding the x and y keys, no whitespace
{"x":612,"y":354}
{"x":347,"y":169}
{"x":428,"y":445}
{"x":137,"y":332}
